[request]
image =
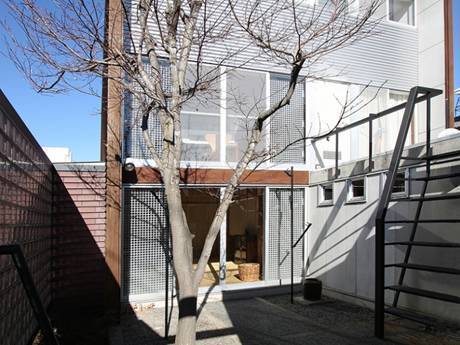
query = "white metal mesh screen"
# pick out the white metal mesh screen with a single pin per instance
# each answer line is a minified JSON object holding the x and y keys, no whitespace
{"x":279,"y":233}
{"x":133,"y":142}
{"x":287,"y":125}
{"x":145,"y":241}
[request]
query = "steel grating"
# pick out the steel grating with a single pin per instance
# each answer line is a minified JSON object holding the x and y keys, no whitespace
{"x":134,"y":143}
{"x":145,"y":242}
{"x":287,"y":125}
{"x":279,"y":231}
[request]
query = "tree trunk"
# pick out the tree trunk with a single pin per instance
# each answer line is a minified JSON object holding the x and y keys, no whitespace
{"x":182,"y":249}
{"x":186,"y":327}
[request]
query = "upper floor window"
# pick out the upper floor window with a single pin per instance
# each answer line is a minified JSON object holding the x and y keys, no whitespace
{"x":216,"y":122}
{"x":246,"y":98}
{"x":350,"y":7}
{"x":201,"y":117}
{"x":402,"y":11}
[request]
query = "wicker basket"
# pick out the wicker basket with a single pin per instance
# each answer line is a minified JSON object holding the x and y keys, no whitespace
{"x":249,"y":272}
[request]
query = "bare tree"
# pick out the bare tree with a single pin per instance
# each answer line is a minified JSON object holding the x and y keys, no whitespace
{"x":67,"y":45}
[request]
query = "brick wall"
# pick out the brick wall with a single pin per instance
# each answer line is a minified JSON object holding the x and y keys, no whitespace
{"x":79,"y":269}
{"x":25,"y":219}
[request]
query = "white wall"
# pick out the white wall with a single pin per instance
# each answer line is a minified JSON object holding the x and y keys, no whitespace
{"x":431,"y":70}
{"x":340,"y":243}
{"x":58,"y":154}
{"x":389,"y":55}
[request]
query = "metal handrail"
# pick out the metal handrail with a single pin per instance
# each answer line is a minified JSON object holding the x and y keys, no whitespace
{"x":293,"y":245}
{"x":387,"y":189}
{"x":428,"y":93}
{"x":34,"y":298}
{"x":301,"y":236}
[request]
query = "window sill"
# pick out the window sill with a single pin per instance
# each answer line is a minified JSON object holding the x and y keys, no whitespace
{"x":360,"y":200}
{"x":400,"y":195}
{"x":401,"y":25}
{"x":326,"y":203}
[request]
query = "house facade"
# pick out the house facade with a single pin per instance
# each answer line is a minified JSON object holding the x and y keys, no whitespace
{"x":411,"y":46}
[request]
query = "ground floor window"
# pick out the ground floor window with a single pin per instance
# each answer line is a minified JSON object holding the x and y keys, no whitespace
{"x":245,"y":236}
{"x":253,"y":244}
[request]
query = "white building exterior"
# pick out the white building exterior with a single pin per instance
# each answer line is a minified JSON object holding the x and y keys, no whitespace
{"x":407,"y":49}
{"x":58,"y":154}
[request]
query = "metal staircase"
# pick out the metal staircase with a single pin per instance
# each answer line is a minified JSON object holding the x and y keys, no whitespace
{"x":428,"y":160}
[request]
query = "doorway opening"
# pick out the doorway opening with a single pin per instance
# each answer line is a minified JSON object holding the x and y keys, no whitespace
{"x":200,"y":205}
{"x":245,"y":236}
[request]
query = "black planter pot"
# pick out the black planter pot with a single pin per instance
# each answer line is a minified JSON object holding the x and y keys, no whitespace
{"x":312,"y":289}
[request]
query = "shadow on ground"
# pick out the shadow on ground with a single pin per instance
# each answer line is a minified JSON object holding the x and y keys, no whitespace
{"x":273,"y":320}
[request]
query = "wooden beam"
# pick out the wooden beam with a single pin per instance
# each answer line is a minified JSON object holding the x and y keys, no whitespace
{"x":111,"y":152}
{"x":217,"y":176}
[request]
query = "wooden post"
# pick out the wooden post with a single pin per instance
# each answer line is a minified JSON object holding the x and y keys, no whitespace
{"x":111,"y":154}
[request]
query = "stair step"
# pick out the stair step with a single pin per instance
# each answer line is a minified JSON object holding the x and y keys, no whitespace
{"x":431,"y":178}
{"x":428,"y":268}
{"x":424,"y":293}
{"x":409,"y":315}
{"x":431,"y":198}
{"x":434,"y":157}
{"x":424,"y":244}
{"x":402,"y":221}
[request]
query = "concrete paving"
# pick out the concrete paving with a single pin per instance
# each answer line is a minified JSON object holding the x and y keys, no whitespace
{"x":273,"y":320}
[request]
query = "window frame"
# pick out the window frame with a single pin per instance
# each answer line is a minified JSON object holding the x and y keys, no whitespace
{"x":315,"y":3}
{"x":356,"y":199}
{"x":228,"y":115}
{"x":321,"y":199}
{"x":406,"y":192}
{"x":201,"y":114}
{"x":393,"y":22}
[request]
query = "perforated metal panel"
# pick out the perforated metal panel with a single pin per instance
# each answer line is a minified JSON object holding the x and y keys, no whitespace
{"x":279,"y":233}
{"x":145,"y":242}
{"x":288,"y":124}
{"x":133,"y":141}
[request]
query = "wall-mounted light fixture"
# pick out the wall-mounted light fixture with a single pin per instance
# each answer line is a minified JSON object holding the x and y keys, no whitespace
{"x":129,"y":166}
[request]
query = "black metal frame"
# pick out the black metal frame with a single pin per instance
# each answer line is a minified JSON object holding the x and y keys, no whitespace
{"x":382,"y":208}
{"x":417,"y":95}
{"x":34,"y":298}
{"x":290,"y":173}
{"x":427,"y":95}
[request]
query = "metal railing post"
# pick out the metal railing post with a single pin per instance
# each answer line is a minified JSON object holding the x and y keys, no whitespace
{"x":371,"y":144}
{"x":34,"y":298}
{"x":379,"y":278}
{"x":337,"y":172}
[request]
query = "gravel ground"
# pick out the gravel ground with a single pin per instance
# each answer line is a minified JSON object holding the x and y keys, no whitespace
{"x":273,"y":320}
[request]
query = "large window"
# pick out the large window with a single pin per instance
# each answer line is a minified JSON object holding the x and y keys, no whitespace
{"x":245,"y":99}
{"x":326,"y":101}
{"x":387,"y":127}
{"x":216,"y":123}
{"x":200,"y":137}
{"x":402,"y":11}
{"x":200,"y":118}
